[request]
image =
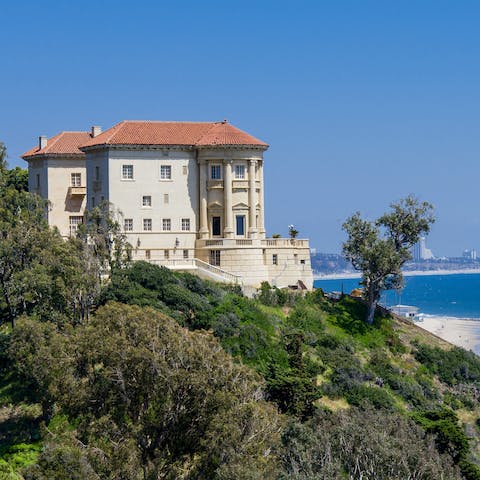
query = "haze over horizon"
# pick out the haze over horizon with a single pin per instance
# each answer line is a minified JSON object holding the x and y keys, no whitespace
{"x":362,"y":103}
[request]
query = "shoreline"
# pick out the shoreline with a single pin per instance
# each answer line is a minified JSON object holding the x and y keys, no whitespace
{"x":410,"y":273}
{"x":462,"y":332}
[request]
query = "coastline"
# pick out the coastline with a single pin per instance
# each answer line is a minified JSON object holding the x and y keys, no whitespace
{"x":410,"y":273}
{"x":462,"y":332}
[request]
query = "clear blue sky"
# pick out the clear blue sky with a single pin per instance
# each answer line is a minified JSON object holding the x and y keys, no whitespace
{"x":362,"y":102}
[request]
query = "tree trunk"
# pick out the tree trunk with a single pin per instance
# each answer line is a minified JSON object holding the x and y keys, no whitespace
{"x":372,"y":306}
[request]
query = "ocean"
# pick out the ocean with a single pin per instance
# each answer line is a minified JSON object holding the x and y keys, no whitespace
{"x":456,"y":295}
{"x":445,"y":297}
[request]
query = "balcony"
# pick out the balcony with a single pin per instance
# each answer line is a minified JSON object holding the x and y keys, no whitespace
{"x":77,"y":191}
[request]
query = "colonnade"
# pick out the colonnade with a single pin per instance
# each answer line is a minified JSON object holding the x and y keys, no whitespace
{"x":254,"y":230}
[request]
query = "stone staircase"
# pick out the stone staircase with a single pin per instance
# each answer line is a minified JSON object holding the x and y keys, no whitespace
{"x":200,"y":268}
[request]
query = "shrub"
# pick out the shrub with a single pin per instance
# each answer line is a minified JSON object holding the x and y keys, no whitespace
{"x":452,"y":366}
{"x":450,"y":436}
{"x":366,"y":396}
{"x":369,"y":443}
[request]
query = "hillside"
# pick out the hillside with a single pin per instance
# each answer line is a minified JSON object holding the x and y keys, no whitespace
{"x":174,"y":377}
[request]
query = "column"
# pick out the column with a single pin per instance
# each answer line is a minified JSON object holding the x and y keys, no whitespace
{"x":252,"y":199}
{"x":203,"y":200}
{"x":227,"y":197}
{"x":261,"y":215}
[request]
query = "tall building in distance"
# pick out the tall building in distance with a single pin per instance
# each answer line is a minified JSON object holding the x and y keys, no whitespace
{"x":191,"y":195}
{"x":470,"y":254}
{"x":421,"y":252}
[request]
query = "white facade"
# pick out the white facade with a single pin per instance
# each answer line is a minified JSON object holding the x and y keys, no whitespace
{"x":183,"y":202}
{"x":156,"y":193}
{"x":62,"y":180}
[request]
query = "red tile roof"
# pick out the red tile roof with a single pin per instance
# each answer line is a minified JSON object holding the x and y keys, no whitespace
{"x":174,"y":133}
{"x":65,"y":143}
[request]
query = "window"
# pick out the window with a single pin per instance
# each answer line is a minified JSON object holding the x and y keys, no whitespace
{"x":74,"y":223}
{"x":166,"y":198}
{"x":185,"y":224}
{"x":38,"y":180}
{"x":239,"y":172}
{"x":166,"y":224}
{"x":127,"y":172}
{"x":240,"y":219}
{"x":128,"y":224}
{"x":93,"y":202}
{"x":295,"y":259}
{"x":97,"y":173}
{"x":216,"y":227}
{"x":147,"y":224}
{"x":147,"y":254}
{"x":165,"y":172}
{"x":216,"y":172}
{"x":185,"y":254}
{"x":147,"y":201}
{"x":185,"y":170}
{"x":302,"y":262}
{"x":76,"y":179}
{"x":166,"y":254}
{"x":102,"y":199}
{"x":215,"y":258}
{"x":275,"y":259}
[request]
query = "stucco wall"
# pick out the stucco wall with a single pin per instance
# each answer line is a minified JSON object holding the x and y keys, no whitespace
{"x":182,"y":191}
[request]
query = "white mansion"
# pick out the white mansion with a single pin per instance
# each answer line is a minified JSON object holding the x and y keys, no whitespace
{"x":191,"y":195}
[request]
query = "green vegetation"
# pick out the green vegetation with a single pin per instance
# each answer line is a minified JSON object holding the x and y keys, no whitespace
{"x":114,"y":370}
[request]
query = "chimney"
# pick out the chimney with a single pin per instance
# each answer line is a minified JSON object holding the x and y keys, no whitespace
{"x":42,"y":141}
{"x":96,"y":130}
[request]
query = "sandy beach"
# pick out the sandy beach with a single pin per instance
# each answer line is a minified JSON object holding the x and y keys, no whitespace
{"x":410,"y":273}
{"x":462,"y":332}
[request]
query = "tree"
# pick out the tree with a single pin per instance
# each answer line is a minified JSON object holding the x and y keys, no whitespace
{"x":148,"y":399}
{"x":3,"y":156}
{"x":103,"y":234}
{"x":40,"y":273}
{"x":17,"y":178}
{"x":379,"y":249}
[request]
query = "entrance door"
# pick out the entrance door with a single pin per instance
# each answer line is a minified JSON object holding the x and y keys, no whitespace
{"x":240,"y":225}
{"x":216,"y":227}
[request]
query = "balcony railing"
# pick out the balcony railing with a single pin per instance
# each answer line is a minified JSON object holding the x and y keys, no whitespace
{"x":252,"y":242}
{"x":74,"y":191}
{"x":241,"y":184}
{"x":214,"y":184}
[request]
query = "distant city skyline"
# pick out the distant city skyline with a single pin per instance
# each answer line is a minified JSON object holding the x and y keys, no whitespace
{"x":362,"y":103}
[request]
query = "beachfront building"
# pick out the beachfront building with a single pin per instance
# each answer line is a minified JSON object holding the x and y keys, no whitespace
{"x":191,"y":196}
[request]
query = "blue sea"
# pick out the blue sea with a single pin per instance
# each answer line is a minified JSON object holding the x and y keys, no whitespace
{"x":456,"y":295}
{"x":445,"y":295}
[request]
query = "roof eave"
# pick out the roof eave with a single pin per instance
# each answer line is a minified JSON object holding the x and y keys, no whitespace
{"x":119,"y":146}
{"x":236,"y":145}
{"x":46,"y":155}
